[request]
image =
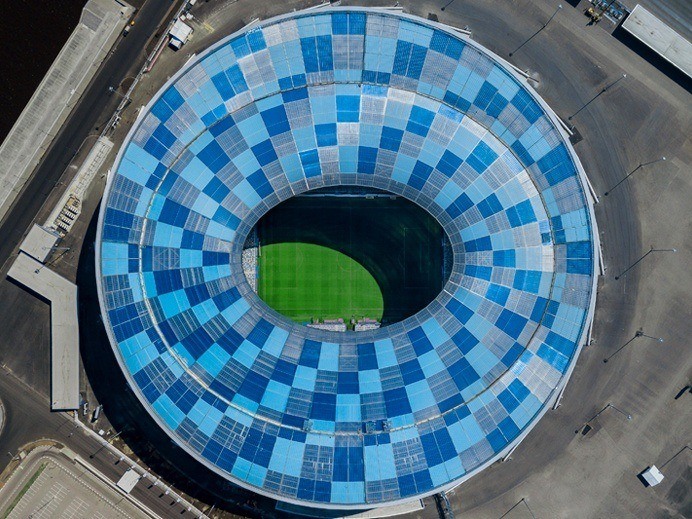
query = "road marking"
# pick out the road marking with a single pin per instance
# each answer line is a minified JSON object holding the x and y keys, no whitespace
{"x":49,"y":499}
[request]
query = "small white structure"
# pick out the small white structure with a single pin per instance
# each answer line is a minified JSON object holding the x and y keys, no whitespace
{"x":652,"y":476}
{"x":180,"y":33}
{"x":659,"y":37}
{"x":40,"y":242}
{"x":128,"y":481}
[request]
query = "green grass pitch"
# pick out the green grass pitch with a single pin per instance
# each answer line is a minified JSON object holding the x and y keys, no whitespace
{"x":304,"y":281}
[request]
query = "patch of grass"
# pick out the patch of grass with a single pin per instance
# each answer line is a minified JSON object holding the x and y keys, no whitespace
{"x":305,"y":281}
{"x":24,"y":490}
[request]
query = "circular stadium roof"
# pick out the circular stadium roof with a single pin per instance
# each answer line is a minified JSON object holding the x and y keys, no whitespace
{"x":346,"y":97}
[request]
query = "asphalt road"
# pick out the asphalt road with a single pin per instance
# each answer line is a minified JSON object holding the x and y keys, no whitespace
{"x":29,"y":419}
{"x":559,"y":473}
{"x":91,"y":112}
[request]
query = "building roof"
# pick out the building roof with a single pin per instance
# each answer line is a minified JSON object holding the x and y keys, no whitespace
{"x":360,"y":97}
{"x":128,"y":480}
{"x":652,"y":476}
{"x":180,"y":31}
{"x":39,"y":242}
{"x":658,"y":36}
{"x":64,"y":328}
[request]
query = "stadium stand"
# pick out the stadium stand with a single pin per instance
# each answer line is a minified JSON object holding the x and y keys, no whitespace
{"x":334,"y":97}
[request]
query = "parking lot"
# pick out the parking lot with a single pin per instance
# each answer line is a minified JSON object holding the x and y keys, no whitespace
{"x":48,"y":485}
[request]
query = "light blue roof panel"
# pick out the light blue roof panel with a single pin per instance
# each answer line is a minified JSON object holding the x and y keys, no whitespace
{"x":346,"y":420}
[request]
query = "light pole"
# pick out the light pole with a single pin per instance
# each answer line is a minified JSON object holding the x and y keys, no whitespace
{"x":522,"y":500}
{"x":609,"y":405}
{"x":686,"y":447}
{"x":640,"y":259}
{"x":605,"y":89}
{"x":639,"y":333}
{"x":535,"y":33}
{"x":641,"y":165}
{"x":54,"y":248}
{"x":623,"y":413}
{"x":113,"y":90}
{"x":12,"y":456}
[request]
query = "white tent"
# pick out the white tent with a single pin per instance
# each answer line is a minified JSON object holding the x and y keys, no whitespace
{"x":652,"y":476}
{"x":128,"y":480}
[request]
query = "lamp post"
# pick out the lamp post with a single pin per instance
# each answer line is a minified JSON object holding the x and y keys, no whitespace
{"x":522,"y":500}
{"x":609,"y":405}
{"x":641,"y":165}
{"x":640,"y":259}
{"x":603,"y":91}
{"x":642,"y":334}
{"x":623,"y":413}
{"x":114,"y":90}
{"x":639,"y":333}
{"x":538,"y":31}
{"x":686,"y":447}
{"x":54,"y":248}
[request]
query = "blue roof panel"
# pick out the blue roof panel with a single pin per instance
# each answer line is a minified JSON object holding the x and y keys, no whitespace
{"x":345,"y":419}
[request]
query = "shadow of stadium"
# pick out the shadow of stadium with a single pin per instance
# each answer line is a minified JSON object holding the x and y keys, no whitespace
{"x":126,"y":414}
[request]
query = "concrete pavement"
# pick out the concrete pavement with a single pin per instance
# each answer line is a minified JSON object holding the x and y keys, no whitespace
{"x":29,"y":418}
{"x":54,"y":485}
{"x":556,"y":472}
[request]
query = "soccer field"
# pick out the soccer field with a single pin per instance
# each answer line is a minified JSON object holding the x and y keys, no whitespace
{"x":305,"y":281}
{"x":337,"y":257}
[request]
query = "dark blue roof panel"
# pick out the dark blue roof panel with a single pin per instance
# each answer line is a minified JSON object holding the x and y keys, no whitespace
{"x":346,"y":96}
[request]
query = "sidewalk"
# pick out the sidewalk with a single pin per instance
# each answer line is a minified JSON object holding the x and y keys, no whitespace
{"x":55,"y":473}
{"x":100,"y":25}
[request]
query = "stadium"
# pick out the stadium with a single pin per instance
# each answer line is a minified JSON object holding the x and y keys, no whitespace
{"x":373,"y":101}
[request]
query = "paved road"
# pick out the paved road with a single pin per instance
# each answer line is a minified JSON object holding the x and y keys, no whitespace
{"x":557,"y":471}
{"x":91,"y":112}
{"x":63,"y":489}
{"x":29,"y":418}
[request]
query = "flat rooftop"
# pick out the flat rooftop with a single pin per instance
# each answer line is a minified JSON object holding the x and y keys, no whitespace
{"x":40,"y":242}
{"x":62,"y":295}
{"x":659,"y":37}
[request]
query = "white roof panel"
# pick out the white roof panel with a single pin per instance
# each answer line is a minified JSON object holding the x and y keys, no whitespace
{"x":39,"y":242}
{"x":128,"y":480}
{"x":180,"y":31}
{"x":658,"y":36}
{"x":652,"y":476}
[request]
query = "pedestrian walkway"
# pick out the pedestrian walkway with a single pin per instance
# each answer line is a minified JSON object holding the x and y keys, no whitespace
{"x":100,"y":25}
{"x":52,"y":482}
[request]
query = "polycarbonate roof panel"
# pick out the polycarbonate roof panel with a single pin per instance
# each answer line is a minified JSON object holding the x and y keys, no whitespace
{"x":356,"y":97}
